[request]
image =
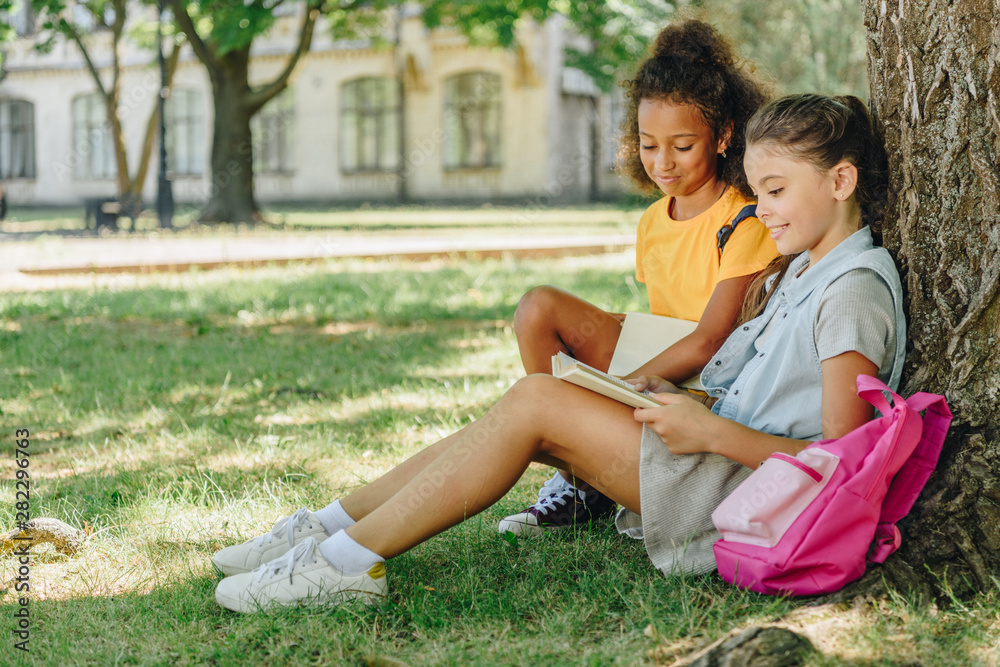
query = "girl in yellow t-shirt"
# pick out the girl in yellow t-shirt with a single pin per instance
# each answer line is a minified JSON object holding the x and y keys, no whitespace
{"x":687,"y":108}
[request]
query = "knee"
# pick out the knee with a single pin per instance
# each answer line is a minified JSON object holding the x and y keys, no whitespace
{"x":521,"y":408}
{"x":535,"y":309}
{"x":531,"y":392}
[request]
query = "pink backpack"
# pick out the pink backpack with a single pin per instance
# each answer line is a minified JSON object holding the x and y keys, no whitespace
{"x":809,"y":524}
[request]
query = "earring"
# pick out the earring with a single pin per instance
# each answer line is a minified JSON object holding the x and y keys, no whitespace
{"x":723,"y":152}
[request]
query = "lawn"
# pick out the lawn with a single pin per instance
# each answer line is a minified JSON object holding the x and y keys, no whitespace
{"x":178,"y":414}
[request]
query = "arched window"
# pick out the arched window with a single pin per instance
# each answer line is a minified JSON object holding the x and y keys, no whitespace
{"x":273,"y":129}
{"x":93,"y":150}
{"x":17,"y":139}
{"x":369,"y":125}
{"x":472,"y":107}
{"x":187,"y":145}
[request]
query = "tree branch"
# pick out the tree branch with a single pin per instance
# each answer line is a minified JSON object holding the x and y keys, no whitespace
{"x":260,"y":96}
{"x":198,"y":45}
{"x":70,"y":30}
{"x":116,"y":38}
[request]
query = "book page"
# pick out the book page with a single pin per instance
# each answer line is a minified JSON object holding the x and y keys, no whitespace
{"x":643,"y":337}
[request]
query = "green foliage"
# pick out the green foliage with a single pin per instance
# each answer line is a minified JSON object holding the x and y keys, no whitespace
{"x":53,"y":22}
{"x":233,"y":25}
{"x":805,"y":45}
{"x":6,"y":31}
{"x":617,"y":31}
{"x":486,"y":22}
{"x":368,"y":20}
{"x":229,"y":26}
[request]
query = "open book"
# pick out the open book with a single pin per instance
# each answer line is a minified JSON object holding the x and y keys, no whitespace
{"x":567,"y":368}
{"x":643,"y":337}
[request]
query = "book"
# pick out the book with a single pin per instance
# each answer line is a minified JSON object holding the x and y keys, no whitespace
{"x":569,"y":369}
{"x":643,"y":337}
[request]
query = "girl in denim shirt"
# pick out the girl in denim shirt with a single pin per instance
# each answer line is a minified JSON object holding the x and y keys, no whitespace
{"x":831,"y":311}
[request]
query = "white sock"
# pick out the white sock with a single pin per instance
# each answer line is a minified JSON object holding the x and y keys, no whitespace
{"x":347,"y":555}
{"x":334,"y":518}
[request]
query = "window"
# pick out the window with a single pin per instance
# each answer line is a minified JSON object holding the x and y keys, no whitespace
{"x":186,"y":142}
{"x":17,"y":139}
{"x":93,"y":150}
{"x":369,"y":125}
{"x":273,"y":133}
{"x":472,"y":120}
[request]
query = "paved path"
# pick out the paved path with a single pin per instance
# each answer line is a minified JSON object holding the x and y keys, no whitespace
{"x":21,"y":261}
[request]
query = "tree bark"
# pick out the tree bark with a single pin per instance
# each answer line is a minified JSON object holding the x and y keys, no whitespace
{"x":934,"y":72}
{"x":232,"y":197}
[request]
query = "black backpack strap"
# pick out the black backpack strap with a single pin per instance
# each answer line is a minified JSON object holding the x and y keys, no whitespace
{"x":749,"y":211}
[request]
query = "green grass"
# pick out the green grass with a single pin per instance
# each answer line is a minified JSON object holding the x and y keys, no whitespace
{"x":184,"y":413}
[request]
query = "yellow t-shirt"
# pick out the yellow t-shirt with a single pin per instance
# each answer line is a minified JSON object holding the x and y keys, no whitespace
{"x":679,"y":259}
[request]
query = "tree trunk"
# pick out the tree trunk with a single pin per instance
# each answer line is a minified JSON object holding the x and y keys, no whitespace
{"x":934,"y":71}
{"x":232,"y":198}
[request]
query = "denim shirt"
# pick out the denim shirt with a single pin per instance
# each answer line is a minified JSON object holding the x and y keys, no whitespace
{"x":778,"y":389}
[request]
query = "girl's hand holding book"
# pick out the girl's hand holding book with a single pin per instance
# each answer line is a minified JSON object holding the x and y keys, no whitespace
{"x":684,"y":423}
{"x":653,"y":385}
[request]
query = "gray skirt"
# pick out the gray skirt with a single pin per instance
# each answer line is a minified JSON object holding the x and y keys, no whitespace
{"x":677,"y":495}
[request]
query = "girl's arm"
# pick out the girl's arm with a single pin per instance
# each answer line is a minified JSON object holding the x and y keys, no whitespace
{"x":687,"y":426}
{"x":685,"y":358}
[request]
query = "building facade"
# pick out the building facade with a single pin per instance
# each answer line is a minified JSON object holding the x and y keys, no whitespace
{"x":427,"y":118}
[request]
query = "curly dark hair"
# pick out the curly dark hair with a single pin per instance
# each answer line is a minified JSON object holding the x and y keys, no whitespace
{"x":693,"y":64}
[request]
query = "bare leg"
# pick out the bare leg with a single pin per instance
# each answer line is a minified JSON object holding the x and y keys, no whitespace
{"x":539,"y":419}
{"x":547,"y":320}
{"x":550,"y":320}
{"x":363,"y":501}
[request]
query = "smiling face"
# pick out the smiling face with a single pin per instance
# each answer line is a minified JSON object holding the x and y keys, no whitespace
{"x":680,"y":152}
{"x":803,"y":208}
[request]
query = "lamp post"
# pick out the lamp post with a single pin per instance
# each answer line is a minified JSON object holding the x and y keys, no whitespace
{"x":164,"y":193}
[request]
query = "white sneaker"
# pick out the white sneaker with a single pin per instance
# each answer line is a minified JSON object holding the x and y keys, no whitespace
{"x":288,"y":532}
{"x":300,"y":577}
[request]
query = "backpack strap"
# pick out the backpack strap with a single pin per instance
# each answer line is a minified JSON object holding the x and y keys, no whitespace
{"x":874,"y":390}
{"x":749,"y":211}
{"x":913,"y":475}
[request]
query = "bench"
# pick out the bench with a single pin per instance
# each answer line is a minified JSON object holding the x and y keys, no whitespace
{"x":104,"y":211}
